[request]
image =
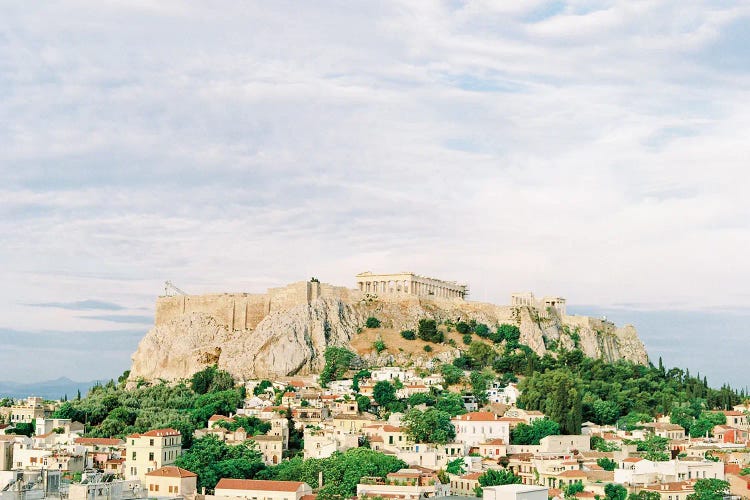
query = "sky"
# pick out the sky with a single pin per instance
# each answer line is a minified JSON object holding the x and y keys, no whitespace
{"x":594,"y":150}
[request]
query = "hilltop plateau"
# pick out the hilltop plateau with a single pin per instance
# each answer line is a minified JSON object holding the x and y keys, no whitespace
{"x":285,"y":331}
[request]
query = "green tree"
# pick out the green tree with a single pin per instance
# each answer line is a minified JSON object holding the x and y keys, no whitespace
{"x":451,"y":403}
{"x":573,"y":489}
{"x":701,"y":427}
{"x":384,"y":393}
{"x":379,"y":346}
{"x":252,"y":425}
{"x":211,"y":379}
{"x":531,"y":434}
{"x":451,"y":374}
{"x":212,"y":459}
{"x":645,"y":495}
{"x":341,"y":471}
{"x":409,"y":334}
{"x":606,"y":463}
{"x":557,"y":394}
{"x":337,"y":363}
{"x":481,"y":354}
{"x":709,"y":489}
{"x":429,"y":426}
{"x":215,"y":403}
{"x":605,"y":412}
{"x":480,"y":382}
{"x":261,"y":387}
{"x":496,"y":477}
{"x":482,"y":330}
{"x":427,"y":331}
{"x":372,"y":322}
{"x":363,"y":402}
{"x":456,"y":466}
{"x":655,"y":448}
{"x":359,"y":376}
{"x":613,"y":491}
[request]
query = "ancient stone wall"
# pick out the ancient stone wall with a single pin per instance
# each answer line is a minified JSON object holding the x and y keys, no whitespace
{"x":243,"y":311}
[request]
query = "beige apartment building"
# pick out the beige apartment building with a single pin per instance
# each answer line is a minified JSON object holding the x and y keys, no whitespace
{"x":150,"y":451}
{"x":171,"y":481}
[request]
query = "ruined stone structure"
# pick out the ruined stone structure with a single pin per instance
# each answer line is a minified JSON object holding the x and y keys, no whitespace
{"x":286,"y":330}
{"x":407,"y":283}
{"x":543,"y":304}
{"x":243,"y":311}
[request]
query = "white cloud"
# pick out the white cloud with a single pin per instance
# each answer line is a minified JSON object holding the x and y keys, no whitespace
{"x":588,"y":150}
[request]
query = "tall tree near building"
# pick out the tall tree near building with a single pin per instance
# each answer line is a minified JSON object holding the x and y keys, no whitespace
{"x":556,"y":394}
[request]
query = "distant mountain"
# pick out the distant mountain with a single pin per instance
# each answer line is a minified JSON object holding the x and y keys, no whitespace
{"x":48,"y":389}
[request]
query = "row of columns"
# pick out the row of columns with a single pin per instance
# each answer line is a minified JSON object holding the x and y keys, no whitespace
{"x":409,"y":287}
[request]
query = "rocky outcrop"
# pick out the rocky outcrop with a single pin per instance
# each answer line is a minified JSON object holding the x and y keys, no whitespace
{"x":292,"y":340}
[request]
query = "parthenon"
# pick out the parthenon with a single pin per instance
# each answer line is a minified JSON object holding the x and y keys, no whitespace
{"x":407,"y":283}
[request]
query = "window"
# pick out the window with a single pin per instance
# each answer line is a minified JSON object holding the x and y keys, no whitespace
{"x":150,"y":487}
{"x":150,"y":442}
{"x":151,"y":456}
{"x":133,"y":456}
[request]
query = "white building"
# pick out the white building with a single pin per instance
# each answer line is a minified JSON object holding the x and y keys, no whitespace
{"x":480,"y":426}
{"x":515,"y":492}
{"x":643,"y":472}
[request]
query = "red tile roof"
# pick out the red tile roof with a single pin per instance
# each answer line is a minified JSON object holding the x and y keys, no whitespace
{"x":572,"y":473}
{"x":158,"y":433}
{"x":477,"y":416}
{"x":258,"y":485}
{"x":492,"y":442}
{"x":171,"y":471}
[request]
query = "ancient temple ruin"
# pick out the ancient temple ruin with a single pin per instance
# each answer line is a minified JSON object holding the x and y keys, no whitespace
{"x":407,"y":283}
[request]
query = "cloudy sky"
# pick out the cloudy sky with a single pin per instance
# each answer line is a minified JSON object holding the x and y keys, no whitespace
{"x":593,"y":149}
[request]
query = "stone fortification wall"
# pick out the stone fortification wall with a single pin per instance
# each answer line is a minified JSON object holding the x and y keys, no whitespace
{"x":286,"y":330}
{"x":243,"y":311}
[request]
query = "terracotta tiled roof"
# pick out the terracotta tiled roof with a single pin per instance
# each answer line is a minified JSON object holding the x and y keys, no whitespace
{"x":493,"y":442}
{"x":258,"y":485}
{"x":673,"y":486}
{"x":171,"y":471}
{"x":472,"y":476}
{"x":572,"y":473}
{"x":158,"y":433}
{"x":477,"y":416}
{"x":632,"y":459}
{"x":392,"y":428}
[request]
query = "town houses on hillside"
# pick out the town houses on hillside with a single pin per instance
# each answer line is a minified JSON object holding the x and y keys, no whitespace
{"x":345,"y":414}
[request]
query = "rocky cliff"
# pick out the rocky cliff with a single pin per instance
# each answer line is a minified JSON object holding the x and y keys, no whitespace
{"x":291,"y":337}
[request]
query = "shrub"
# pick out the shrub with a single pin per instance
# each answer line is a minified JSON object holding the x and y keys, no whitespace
{"x":379,"y":345}
{"x":463,"y":328}
{"x":467,"y":339}
{"x":451,"y":342}
{"x":482,"y":330}
{"x":427,"y":348}
{"x":409,"y":334}
{"x":372,"y":322}
{"x":428,"y":331}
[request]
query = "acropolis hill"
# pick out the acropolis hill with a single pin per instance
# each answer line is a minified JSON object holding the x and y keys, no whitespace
{"x":285,"y":331}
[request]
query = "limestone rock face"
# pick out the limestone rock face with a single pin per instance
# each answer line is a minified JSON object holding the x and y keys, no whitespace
{"x":291,"y":340}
